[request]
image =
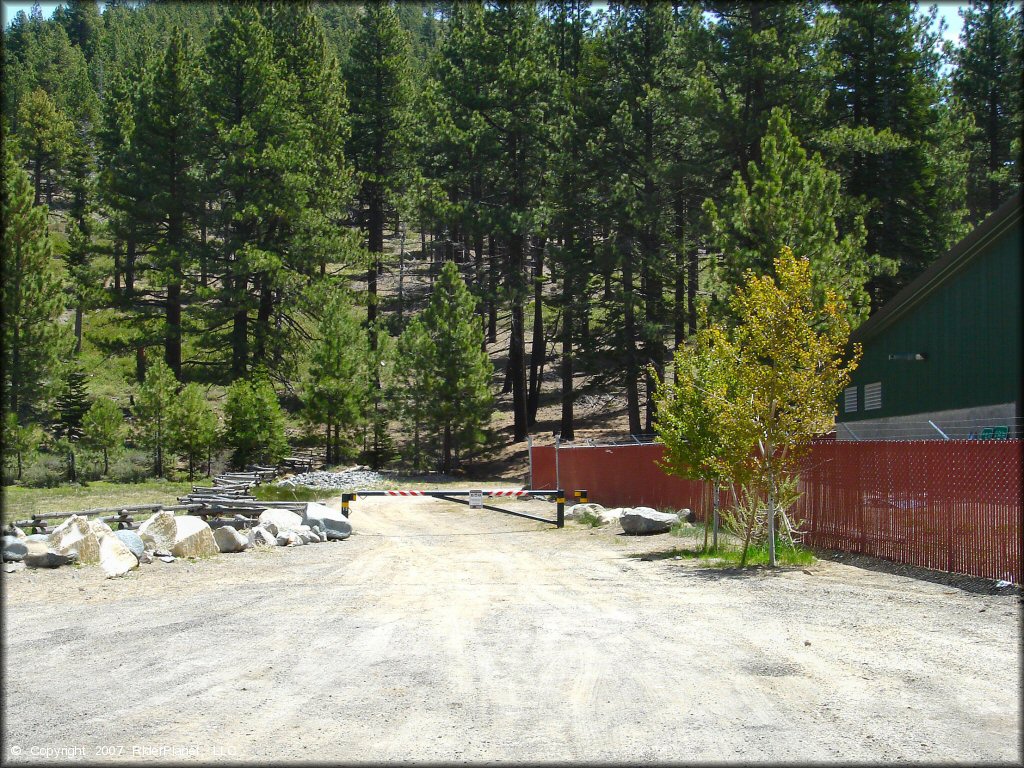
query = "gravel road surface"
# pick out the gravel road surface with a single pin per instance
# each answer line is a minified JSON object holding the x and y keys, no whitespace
{"x":436,"y":633}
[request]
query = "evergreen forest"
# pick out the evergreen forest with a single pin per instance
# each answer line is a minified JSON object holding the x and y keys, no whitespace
{"x":413,"y":234}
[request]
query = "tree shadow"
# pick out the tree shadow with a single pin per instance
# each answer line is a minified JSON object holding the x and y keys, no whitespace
{"x":974,"y":584}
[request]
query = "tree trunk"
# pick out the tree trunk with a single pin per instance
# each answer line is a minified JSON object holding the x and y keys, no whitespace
{"x":37,"y":182}
{"x":691,"y":290}
{"x":771,"y":522}
{"x":566,"y":428}
{"x":140,"y":364}
{"x":537,"y":345}
{"x":492,"y":292}
{"x":129,"y":266}
{"x":375,"y":238}
{"x":629,"y":343}
{"x":117,"y":266}
{"x":172,"y":341}
{"x":240,"y":340}
{"x":446,"y":453}
{"x":517,"y":338}
{"x":264,"y":312}
{"x":79,"y":315}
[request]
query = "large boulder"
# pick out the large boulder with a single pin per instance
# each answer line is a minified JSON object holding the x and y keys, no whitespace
{"x":644,"y":520}
{"x":289,"y":539}
{"x":159,"y":531}
{"x":17,"y":532}
{"x":50,"y":559}
{"x":75,"y":535}
{"x":230,"y":540}
{"x":261,"y":537}
{"x":334,"y":524}
{"x":116,"y":559}
{"x":14,"y":550}
{"x":284,"y":519}
{"x":193,"y":538}
{"x":132,"y":540}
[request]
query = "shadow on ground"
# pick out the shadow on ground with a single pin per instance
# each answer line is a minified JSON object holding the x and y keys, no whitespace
{"x":959,"y":581}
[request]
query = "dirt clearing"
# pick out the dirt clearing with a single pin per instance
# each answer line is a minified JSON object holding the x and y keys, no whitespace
{"x":437,"y":633}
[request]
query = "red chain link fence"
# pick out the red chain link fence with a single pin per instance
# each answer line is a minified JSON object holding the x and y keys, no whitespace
{"x":951,"y":505}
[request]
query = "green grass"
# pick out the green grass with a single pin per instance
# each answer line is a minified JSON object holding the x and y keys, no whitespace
{"x":285,"y":493}
{"x":728,"y":553}
{"x":21,"y":503}
{"x":588,"y":518}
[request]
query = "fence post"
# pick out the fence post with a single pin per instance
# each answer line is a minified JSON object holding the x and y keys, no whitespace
{"x":561,"y":508}
{"x":714,"y":515}
{"x":558,"y":442}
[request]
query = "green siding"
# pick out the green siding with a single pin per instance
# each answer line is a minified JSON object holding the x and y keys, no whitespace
{"x":970,"y":329}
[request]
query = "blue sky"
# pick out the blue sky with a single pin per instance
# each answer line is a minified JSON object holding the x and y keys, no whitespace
{"x":947,"y":11}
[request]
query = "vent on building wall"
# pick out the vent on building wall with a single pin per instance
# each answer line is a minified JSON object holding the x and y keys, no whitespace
{"x":849,"y":400}
{"x":872,"y":396}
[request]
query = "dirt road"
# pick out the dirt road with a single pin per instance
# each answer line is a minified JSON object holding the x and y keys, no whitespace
{"x":437,"y":633}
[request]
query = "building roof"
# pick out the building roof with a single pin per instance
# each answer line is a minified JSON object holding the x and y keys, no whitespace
{"x":958,"y":257}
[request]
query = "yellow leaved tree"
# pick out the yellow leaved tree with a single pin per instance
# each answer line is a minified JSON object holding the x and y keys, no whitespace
{"x":747,"y":400}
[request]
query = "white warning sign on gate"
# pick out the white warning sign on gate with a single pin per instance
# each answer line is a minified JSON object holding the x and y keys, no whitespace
{"x":476,"y":499}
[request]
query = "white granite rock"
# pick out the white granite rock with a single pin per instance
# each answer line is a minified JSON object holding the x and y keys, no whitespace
{"x":99,"y":528}
{"x":115,"y":557}
{"x":193,"y":538}
{"x":230,"y":540}
{"x":331,"y":521}
{"x":260,"y":536}
{"x":74,"y":534}
{"x":159,"y":531}
{"x":284,"y":519}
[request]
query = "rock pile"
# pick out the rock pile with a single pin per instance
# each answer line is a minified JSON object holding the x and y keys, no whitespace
{"x":349,"y":480}
{"x":165,"y":536}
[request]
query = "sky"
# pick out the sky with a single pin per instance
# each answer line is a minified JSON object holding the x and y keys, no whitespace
{"x":947,"y":11}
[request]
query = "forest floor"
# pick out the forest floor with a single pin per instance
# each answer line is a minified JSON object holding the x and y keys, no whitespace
{"x":437,"y":633}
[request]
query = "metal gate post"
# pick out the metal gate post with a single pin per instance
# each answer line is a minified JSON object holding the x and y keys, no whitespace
{"x":345,"y":499}
{"x":581,"y":496}
{"x":561,"y":508}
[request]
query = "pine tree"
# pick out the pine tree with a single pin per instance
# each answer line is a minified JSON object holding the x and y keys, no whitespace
{"x":763,"y":56}
{"x":335,"y":387}
{"x":792,"y":200}
{"x":258,"y":162}
{"x":46,"y":134}
{"x":987,"y":79}
{"x":20,"y":440}
{"x":254,"y":422}
{"x":636,"y":195}
{"x":457,"y":369}
{"x":164,"y":148}
{"x":153,"y":412}
{"x":71,"y":405}
{"x":192,"y":426}
{"x":893,"y":137}
{"x":34,"y":341}
{"x":103,"y":429}
{"x":412,"y":376}
{"x":379,"y":89}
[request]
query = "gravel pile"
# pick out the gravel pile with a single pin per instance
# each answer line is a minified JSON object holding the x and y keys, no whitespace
{"x":341,"y":481}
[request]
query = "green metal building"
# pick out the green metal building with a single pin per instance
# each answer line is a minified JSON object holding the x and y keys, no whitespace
{"x":943,"y":357}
